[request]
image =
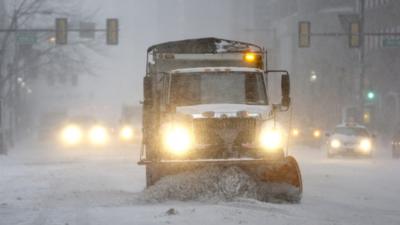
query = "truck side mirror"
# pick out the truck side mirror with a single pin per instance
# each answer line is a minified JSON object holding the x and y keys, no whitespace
{"x":285,"y":86}
{"x":148,"y":90}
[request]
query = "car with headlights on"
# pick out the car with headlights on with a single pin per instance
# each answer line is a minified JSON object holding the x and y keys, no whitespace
{"x":84,"y":131}
{"x":307,"y":136}
{"x":350,"y":140}
{"x":127,"y":132}
{"x":127,"y":135}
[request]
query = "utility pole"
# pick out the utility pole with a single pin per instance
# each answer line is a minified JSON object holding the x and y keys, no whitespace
{"x":61,"y":29}
{"x":14,"y":88}
{"x":362,"y":54}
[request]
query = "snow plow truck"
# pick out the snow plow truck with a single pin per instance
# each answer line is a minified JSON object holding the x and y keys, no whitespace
{"x":206,"y":103}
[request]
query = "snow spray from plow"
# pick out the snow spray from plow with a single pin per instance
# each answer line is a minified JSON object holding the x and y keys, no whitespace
{"x":280,"y":183}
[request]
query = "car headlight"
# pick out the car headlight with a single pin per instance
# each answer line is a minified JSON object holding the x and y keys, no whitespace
{"x":98,"y":135}
{"x":271,"y":139}
{"x":295,"y":132}
{"x":365,"y":145}
{"x":177,"y":139}
{"x":335,"y":143}
{"x":71,"y":135}
{"x":126,"y":133}
{"x":317,"y":133}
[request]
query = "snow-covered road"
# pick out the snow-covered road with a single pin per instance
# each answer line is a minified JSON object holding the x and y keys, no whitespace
{"x":50,"y":187}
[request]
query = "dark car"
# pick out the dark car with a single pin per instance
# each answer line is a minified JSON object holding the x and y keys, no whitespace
{"x":307,"y":136}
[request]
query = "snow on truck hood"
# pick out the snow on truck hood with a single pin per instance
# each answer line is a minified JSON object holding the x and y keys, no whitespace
{"x":229,"y":110}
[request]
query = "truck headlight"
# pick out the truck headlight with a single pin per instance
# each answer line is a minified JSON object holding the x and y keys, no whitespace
{"x":98,"y":135}
{"x":365,"y":145}
{"x":177,"y":139}
{"x":271,"y":139}
{"x":335,"y":143}
{"x":71,"y":135}
{"x":126,"y":133}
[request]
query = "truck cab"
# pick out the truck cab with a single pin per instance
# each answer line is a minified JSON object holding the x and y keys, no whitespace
{"x":223,"y":107}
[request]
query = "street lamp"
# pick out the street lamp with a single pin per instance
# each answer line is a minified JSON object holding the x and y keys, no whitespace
{"x":52,"y":39}
{"x":313,"y":76}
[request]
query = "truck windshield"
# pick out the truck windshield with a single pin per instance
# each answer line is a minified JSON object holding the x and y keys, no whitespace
{"x":217,"y":88}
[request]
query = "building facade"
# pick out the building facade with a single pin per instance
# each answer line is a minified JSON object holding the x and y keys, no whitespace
{"x":337,"y":66}
{"x":383,"y":57}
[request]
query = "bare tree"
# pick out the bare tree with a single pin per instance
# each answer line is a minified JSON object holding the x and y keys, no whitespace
{"x":43,"y":57}
{"x":53,"y":59}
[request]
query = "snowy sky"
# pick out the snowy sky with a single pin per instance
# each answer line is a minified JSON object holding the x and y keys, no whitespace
{"x":121,"y":73}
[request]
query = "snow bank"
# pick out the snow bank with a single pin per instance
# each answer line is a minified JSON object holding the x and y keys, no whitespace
{"x":217,"y":184}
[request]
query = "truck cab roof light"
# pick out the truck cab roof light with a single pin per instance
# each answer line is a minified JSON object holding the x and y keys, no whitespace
{"x":249,"y":57}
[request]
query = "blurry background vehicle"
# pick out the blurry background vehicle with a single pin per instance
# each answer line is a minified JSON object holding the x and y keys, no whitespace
{"x":307,"y":136}
{"x":350,"y":139}
{"x":84,"y":131}
{"x":128,"y":131}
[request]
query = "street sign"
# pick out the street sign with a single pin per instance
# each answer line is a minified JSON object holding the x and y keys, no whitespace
{"x":26,"y":38}
{"x":87,"y":30}
{"x":389,"y":43}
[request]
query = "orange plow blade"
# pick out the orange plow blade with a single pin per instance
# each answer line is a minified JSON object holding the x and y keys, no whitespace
{"x":286,"y":177}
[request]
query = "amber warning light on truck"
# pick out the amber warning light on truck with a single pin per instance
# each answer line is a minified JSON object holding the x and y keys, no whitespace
{"x":250,"y":57}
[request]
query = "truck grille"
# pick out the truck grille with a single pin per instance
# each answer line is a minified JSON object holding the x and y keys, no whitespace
{"x":220,"y":131}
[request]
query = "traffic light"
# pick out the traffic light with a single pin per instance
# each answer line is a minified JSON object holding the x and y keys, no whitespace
{"x":367,"y":117}
{"x":304,"y":34}
{"x":61,"y":31}
{"x":355,"y":35}
{"x":371,"y":95}
{"x":369,"y":114}
{"x":112,"y":31}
